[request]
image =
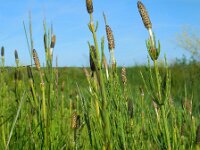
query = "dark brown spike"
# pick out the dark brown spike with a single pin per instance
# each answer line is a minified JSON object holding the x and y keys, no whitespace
{"x":89,"y":5}
{"x":2,"y":51}
{"x":130,"y":107}
{"x":16,"y":55}
{"x":53,"y":41}
{"x":45,"y":42}
{"x":29,"y":71}
{"x":144,"y":14}
{"x":18,"y":75}
{"x":110,"y":37}
{"x":92,"y":58}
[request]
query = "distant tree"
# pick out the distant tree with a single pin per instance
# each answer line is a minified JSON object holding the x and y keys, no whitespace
{"x":189,"y":40}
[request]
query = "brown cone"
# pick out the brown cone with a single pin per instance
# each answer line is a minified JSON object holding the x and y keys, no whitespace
{"x":110,"y":37}
{"x":89,"y":5}
{"x":144,"y":15}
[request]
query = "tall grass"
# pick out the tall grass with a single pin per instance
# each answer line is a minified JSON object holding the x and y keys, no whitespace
{"x":108,"y":109}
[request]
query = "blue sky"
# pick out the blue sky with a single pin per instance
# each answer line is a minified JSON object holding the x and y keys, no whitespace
{"x":70,"y":18}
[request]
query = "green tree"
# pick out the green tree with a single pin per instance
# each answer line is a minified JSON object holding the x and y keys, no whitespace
{"x":189,"y":40}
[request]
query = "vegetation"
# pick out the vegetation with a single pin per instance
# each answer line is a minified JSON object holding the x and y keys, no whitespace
{"x":189,"y":40}
{"x":101,"y":107}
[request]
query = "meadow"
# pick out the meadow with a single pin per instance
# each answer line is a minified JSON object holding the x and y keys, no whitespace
{"x":103,"y":106}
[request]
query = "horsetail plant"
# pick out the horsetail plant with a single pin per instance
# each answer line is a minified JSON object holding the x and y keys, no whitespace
{"x":105,"y":115}
{"x":42,"y":86}
{"x":154,"y":54}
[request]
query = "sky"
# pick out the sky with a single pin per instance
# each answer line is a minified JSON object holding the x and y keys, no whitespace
{"x":70,"y":18}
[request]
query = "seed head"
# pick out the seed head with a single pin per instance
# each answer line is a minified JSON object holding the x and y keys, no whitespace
{"x":18,"y":75}
{"x":198,"y":135}
{"x":45,"y":42}
{"x":36,"y":59}
{"x":53,"y":41}
{"x":89,"y":5}
{"x":2,"y":51}
{"x":29,"y":71}
{"x":183,"y":129}
{"x":75,"y":121}
{"x":110,"y":37}
{"x":93,"y":56}
{"x":187,"y":105}
{"x":130,"y":108}
{"x":144,"y":15}
{"x":123,"y":74}
{"x":16,"y":55}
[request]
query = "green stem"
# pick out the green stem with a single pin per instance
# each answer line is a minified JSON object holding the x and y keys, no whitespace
{"x":162,"y":106}
{"x":158,"y":81}
{"x":3,"y":133}
{"x":44,"y":111}
{"x":166,"y":127}
{"x":100,"y":77}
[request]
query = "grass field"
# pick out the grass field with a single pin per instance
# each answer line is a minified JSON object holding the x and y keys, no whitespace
{"x":102,"y":106}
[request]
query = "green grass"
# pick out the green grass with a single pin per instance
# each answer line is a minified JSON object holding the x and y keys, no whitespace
{"x":61,"y":131}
